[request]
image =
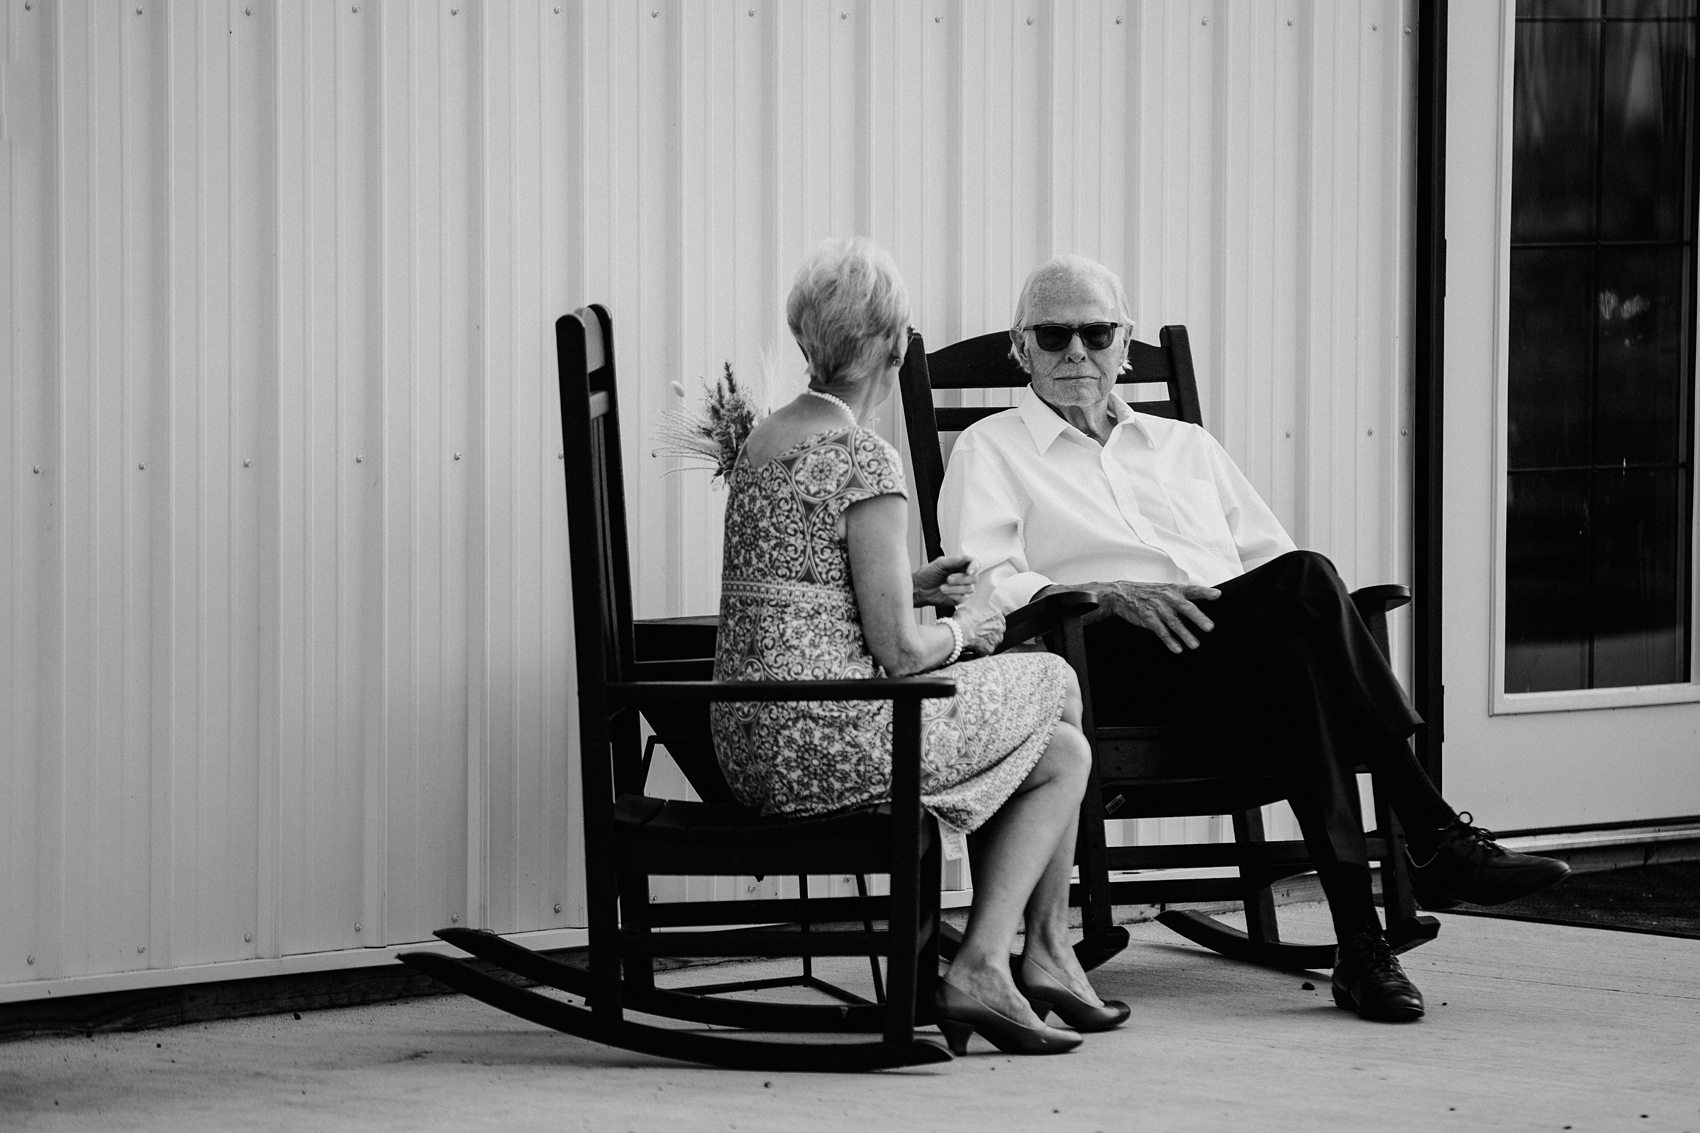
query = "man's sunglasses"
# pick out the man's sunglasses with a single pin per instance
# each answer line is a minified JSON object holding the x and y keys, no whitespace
{"x":1054,"y":337}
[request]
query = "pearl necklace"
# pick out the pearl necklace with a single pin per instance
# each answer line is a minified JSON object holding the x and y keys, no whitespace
{"x":838,"y":401}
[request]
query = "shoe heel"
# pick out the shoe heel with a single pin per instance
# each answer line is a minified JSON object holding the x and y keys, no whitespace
{"x":1344,"y":1001}
{"x":956,"y":1034}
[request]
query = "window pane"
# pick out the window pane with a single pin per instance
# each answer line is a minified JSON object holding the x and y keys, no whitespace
{"x":1642,"y":307}
{"x":1651,"y":9}
{"x":1548,"y":8}
{"x":1546,"y":582}
{"x":1641,"y":581}
{"x":1551,"y":347}
{"x":1553,"y":132}
{"x":1648,"y":68}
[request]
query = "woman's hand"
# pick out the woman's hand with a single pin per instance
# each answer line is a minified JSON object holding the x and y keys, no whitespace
{"x":982,"y":630}
{"x":944,"y":581}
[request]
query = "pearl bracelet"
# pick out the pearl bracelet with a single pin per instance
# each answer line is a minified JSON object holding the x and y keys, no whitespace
{"x":956,"y":636}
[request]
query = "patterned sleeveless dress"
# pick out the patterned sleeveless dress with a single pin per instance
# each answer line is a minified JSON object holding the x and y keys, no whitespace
{"x":788,"y":612}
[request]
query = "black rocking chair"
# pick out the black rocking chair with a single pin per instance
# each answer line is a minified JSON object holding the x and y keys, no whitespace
{"x":1149,"y":772}
{"x":631,"y":836}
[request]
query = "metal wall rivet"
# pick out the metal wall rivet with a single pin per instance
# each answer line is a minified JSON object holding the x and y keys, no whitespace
{"x":938,"y":19}
{"x":1407,"y":29}
{"x":247,"y":11}
{"x":355,"y":9}
{"x":1118,"y":19}
{"x":29,"y":959}
{"x":1375,"y":27}
{"x":27,"y":8}
{"x":653,"y":898}
{"x":359,"y":459}
{"x":247,"y":463}
{"x":749,"y":889}
{"x":356,"y":926}
{"x":844,"y":15}
{"x":1289,"y":23}
{"x":36,"y":470}
{"x":560,"y":456}
{"x":1369,"y":433}
{"x":1404,"y":432}
{"x":454,"y":918}
{"x":1289,"y":432}
{"x":752,"y":11}
{"x":140,"y":467}
{"x":654,"y":15}
{"x":140,"y":948}
{"x":847,"y":880}
{"x":247,"y":938}
{"x":1029,"y":21}
{"x":457,"y":456}
{"x":557,"y":906}
{"x":1204,"y":21}
{"x":454,"y":11}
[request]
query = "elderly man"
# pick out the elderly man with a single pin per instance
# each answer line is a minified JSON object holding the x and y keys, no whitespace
{"x":1217,"y":613}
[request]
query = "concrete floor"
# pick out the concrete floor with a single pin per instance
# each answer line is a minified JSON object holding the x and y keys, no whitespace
{"x":1530,"y":1027}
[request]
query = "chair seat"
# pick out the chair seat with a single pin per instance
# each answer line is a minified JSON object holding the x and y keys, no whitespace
{"x":1182,"y":796}
{"x":706,"y":839}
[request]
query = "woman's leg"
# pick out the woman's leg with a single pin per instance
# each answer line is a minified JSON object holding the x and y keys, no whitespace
{"x":1016,"y":848}
{"x":1047,"y":940}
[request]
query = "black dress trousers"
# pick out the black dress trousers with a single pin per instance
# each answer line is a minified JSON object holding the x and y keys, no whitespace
{"x":1289,"y":678}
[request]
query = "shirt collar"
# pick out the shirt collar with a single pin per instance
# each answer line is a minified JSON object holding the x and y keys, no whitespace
{"x":1046,"y":424}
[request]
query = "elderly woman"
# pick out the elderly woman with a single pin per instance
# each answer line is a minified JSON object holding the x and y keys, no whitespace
{"x":817,"y":585}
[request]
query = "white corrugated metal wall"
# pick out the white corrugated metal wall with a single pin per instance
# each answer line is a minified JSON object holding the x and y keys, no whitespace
{"x":284,"y":639}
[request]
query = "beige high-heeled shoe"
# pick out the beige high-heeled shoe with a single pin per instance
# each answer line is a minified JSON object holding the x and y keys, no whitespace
{"x":959,"y":1013}
{"x":1047,"y":993}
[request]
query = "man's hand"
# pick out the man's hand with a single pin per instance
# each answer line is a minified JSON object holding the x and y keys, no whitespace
{"x":1164,"y":608}
{"x":982,"y":631}
{"x":944,"y":582}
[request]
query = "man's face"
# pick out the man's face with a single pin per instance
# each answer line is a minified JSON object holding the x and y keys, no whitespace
{"x":1074,"y":375}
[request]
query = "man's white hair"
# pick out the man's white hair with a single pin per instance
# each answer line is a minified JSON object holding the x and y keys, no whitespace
{"x":1063,"y":274}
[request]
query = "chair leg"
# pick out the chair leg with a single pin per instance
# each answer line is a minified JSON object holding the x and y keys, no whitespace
{"x":1101,"y":937}
{"x":868,"y":927}
{"x":1406,"y":928}
{"x":1259,"y":902}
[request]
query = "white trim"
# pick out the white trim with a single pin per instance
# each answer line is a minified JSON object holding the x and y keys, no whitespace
{"x":1584,"y":699}
{"x":1502,"y":703}
{"x":1501,"y":350}
{"x":303,"y":964}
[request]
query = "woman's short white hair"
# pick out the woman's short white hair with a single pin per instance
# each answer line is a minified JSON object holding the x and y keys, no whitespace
{"x":846,"y":307}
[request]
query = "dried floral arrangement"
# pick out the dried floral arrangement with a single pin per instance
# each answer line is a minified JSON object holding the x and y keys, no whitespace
{"x":713,"y":435}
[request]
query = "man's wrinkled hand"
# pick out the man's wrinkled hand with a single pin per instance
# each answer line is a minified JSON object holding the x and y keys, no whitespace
{"x":944,"y":582}
{"x":1166,"y":609}
{"x":982,"y":631}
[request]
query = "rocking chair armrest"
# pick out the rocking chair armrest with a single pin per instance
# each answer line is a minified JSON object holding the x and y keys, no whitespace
{"x":1374,"y":600}
{"x":878,"y":688}
{"x":673,"y":669}
{"x":1042,"y":615}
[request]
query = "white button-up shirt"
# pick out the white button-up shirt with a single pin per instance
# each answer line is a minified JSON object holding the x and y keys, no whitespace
{"x":1034,"y":501}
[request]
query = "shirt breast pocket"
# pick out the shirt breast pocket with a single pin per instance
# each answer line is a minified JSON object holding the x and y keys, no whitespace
{"x":1199,"y":514}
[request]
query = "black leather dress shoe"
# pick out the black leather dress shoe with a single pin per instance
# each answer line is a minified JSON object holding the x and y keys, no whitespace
{"x":1368,"y":980}
{"x":1468,"y":865}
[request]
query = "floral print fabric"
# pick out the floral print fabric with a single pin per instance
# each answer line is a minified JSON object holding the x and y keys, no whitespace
{"x":788,"y":612}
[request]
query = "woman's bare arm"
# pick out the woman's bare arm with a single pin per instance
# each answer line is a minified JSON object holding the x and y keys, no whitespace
{"x":876,"y":531}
